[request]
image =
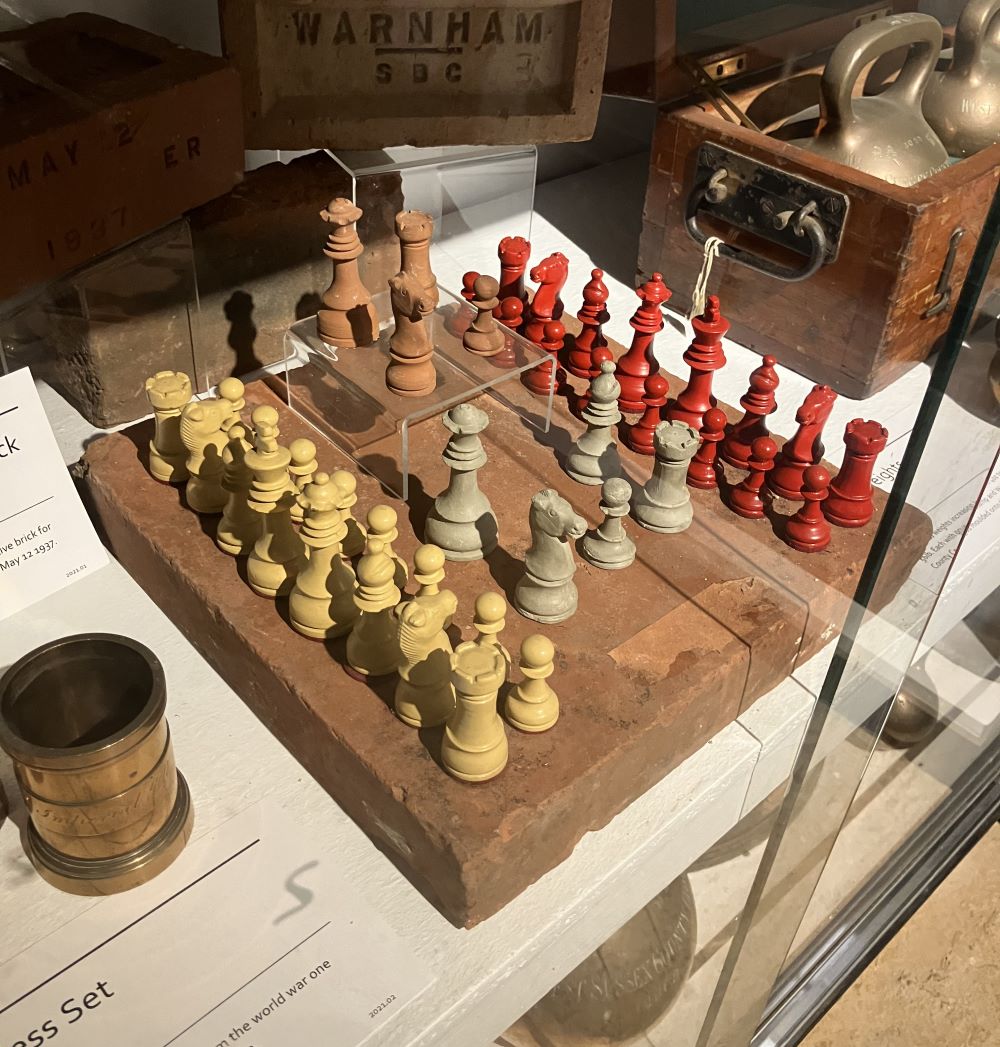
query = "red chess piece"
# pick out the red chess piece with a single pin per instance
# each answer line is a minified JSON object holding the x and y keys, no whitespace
{"x":744,"y":498}
{"x":639,"y":436}
{"x":511,"y":313}
{"x":701,"y":470}
{"x":599,"y":356}
{"x":850,"y":500}
{"x":806,"y":447}
{"x":550,"y":274}
{"x":539,"y":378}
{"x":704,"y":356}
{"x":638,"y":363}
{"x":808,"y":530}
{"x":758,"y":402}
{"x":514,"y":252}
{"x":592,"y":315}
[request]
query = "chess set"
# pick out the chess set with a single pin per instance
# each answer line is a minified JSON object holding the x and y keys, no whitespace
{"x":734,"y":555}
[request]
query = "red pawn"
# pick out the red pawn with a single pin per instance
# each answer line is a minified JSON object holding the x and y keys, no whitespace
{"x":638,"y":363}
{"x":513,"y":252}
{"x":850,"y":500}
{"x":808,"y":530}
{"x":591,"y":315}
{"x":758,"y":402}
{"x":539,"y":378}
{"x":704,"y":356}
{"x":744,"y":498}
{"x":511,"y":313}
{"x":701,"y":471}
{"x":468,"y":283}
{"x":599,"y":357}
{"x":639,"y":435}
{"x":806,"y":447}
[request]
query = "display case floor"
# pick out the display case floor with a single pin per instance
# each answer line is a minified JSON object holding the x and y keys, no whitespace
{"x":656,"y":661}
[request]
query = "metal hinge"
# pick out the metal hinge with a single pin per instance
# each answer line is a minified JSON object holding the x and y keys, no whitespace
{"x":722,"y":68}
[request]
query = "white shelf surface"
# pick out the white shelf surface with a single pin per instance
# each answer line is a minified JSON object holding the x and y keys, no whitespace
{"x":486,"y":977}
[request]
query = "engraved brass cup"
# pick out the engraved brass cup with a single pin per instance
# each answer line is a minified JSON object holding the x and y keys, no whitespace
{"x":83,"y":720}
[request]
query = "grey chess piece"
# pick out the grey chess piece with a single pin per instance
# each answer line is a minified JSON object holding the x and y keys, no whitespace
{"x":594,"y":457}
{"x":546,"y":592}
{"x":608,"y":546}
{"x":461,"y":522}
{"x":664,"y":504}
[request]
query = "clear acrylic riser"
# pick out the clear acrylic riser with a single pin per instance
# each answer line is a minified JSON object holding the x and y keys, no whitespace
{"x":342,"y":392}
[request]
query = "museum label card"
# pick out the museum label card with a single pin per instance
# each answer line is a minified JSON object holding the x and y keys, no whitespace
{"x":46,"y":538}
{"x":253,"y":937}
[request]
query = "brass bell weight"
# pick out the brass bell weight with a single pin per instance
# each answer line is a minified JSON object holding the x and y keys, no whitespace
{"x":885,"y":135}
{"x":963,"y":103}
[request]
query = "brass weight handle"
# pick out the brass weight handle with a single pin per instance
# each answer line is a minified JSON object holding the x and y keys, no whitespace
{"x":921,"y":33}
{"x":978,"y":26}
{"x":803,"y":223}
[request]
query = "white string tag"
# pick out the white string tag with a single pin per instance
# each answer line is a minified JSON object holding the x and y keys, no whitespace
{"x":698,"y":295}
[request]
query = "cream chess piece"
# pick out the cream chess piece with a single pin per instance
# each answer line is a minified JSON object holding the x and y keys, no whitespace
{"x":424,"y":695}
{"x":381,"y":524}
{"x":202,"y":427}
{"x":474,"y":747}
{"x":373,"y":646}
{"x":546,"y":592}
{"x":240,"y":526}
{"x":168,"y":393}
{"x":532,"y":705}
{"x":347,"y":317}
{"x":278,"y":553}
{"x":428,"y":572}
{"x":608,"y":546}
{"x":489,"y":618}
{"x":322,"y":602}
{"x":301,"y":469}
{"x":232,"y":390}
{"x":354,"y":543}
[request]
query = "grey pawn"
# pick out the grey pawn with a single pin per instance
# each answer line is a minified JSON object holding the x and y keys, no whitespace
{"x":546,"y":593}
{"x":608,"y":546}
{"x":664,"y":504}
{"x":461,"y":521}
{"x":594,"y":457}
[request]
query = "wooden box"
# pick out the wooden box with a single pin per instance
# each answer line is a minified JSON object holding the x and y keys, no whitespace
{"x":364,"y":74}
{"x":106,"y":132}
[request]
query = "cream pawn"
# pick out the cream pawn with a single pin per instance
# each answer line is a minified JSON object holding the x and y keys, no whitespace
{"x":532,"y":705}
{"x":381,"y":524}
{"x":354,"y":543}
{"x":428,"y":571}
{"x":474,"y":747}
{"x":301,"y":470}
{"x":373,"y":646}
{"x":489,"y":619}
{"x":278,"y":553}
{"x":232,"y":390}
{"x":240,"y":526}
{"x":322,"y":602}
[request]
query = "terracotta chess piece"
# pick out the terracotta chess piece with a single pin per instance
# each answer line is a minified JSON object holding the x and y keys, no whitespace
{"x":849,"y":503}
{"x":425,"y":696}
{"x":168,"y":392}
{"x":532,"y":705}
{"x":511,"y":316}
{"x":808,"y":530}
{"x":594,"y":456}
{"x":381,"y":524}
{"x":664,"y":504}
{"x":301,"y":470}
{"x":592,"y":315}
{"x":638,"y":363}
{"x":546,"y":592}
{"x":428,"y":572}
{"x":608,"y":546}
{"x":550,"y":274}
{"x":278,"y":553}
{"x":704,"y":356}
{"x":474,"y":747}
{"x":457,"y":318}
{"x":239,"y":527}
{"x":410,"y":371}
{"x":639,"y":435}
{"x":347,"y":317}
{"x":347,"y":484}
{"x":484,"y":336}
{"x":373,"y":645}
{"x":461,"y":520}
{"x":757,"y":402}
{"x":489,"y":618}
{"x":322,"y":605}
{"x":745,"y":498}
{"x":415,"y":230}
{"x":702,"y":470}
{"x":204,"y":436}
{"x":805,"y":448}
{"x":514,"y":252}
{"x":579,"y":404}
